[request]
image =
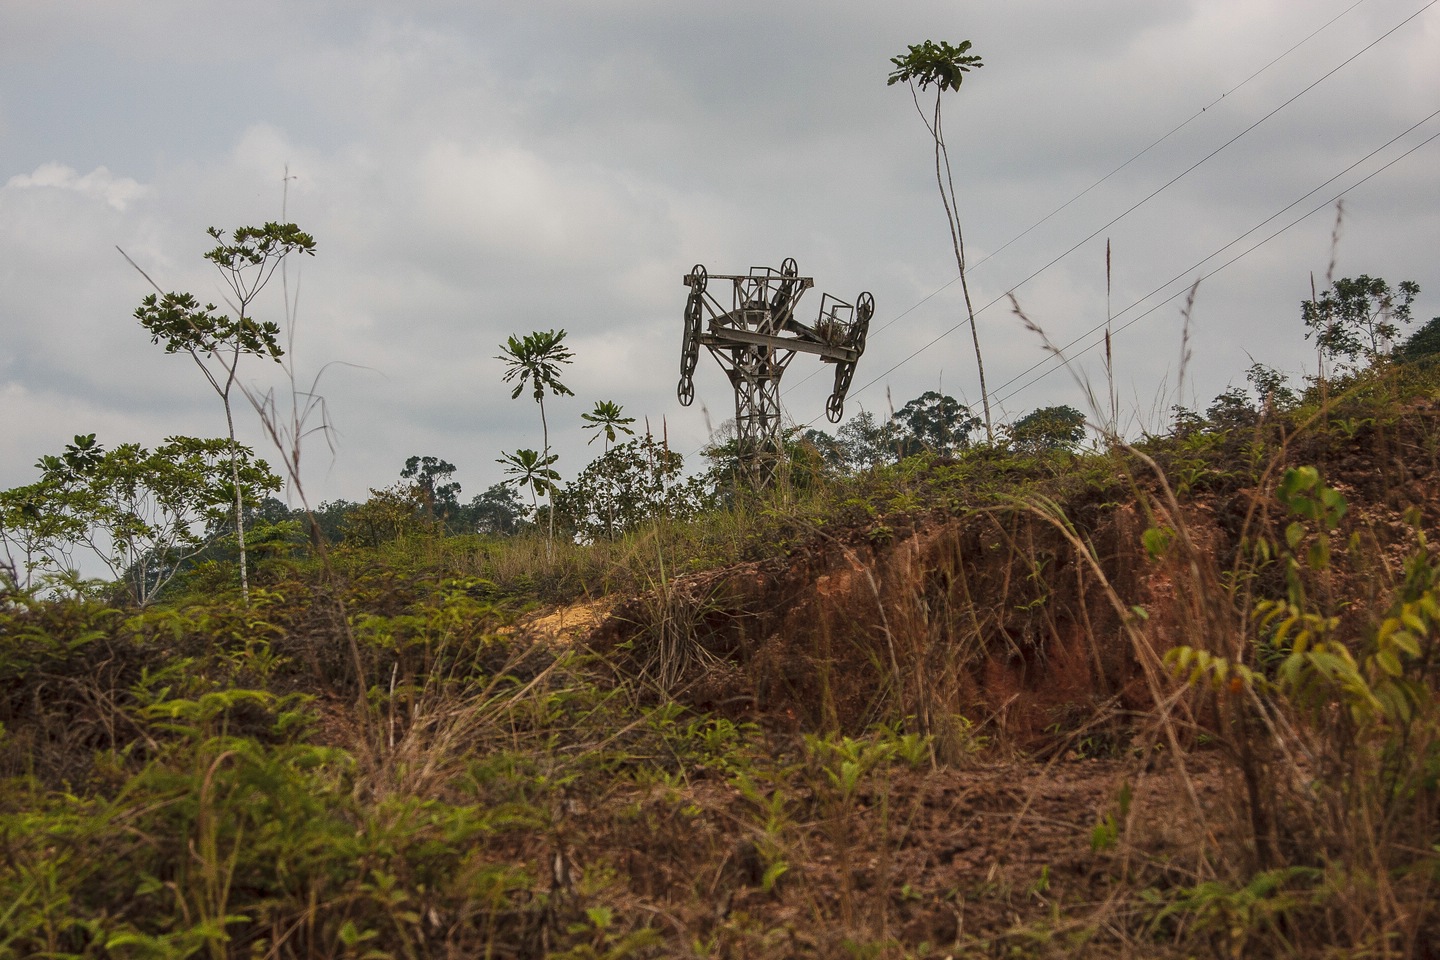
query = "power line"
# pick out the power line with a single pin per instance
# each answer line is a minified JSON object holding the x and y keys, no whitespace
{"x":1065,"y":358}
{"x":1204,"y":260}
{"x":1145,"y":199}
{"x":1155,"y":143}
{"x":1152,"y":145}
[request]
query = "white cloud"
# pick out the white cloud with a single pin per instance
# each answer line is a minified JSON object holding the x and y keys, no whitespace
{"x":570,"y":229}
{"x":116,"y":192}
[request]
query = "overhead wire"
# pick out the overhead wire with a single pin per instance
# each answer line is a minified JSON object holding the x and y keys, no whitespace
{"x":1161,"y":139}
{"x":1067,"y":356}
{"x":1146,"y":199}
{"x":1152,"y":145}
{"x":1064,"y":354}
{"x":1131,"y":209}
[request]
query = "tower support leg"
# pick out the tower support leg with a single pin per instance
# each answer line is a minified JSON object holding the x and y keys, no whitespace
{"x":755,"y":374}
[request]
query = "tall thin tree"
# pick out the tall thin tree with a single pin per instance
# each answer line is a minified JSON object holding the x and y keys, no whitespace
{"x":609,"y":421}
{"x":944,"y":67}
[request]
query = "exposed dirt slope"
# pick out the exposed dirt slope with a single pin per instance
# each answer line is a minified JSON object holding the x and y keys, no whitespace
{"x":1023,"y":616}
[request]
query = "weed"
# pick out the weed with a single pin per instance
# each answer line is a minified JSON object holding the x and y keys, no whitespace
{"x":1106,"y":833}
{"x":1236,"y":918}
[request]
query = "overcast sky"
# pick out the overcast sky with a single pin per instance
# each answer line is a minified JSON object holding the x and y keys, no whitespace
{"x":472,"y":170}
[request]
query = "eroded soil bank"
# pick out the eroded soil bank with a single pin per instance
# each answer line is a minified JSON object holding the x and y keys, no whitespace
{"x":1027,"y":617}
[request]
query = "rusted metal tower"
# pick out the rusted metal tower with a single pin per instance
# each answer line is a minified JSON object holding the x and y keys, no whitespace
{"x":755,"y":337}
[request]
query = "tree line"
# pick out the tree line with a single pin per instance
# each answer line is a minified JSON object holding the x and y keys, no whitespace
{"x":146,"y":514}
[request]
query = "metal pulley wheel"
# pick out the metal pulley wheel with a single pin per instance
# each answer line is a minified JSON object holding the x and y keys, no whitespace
{"x":864,"y":310}
{"x":690,"y":348}
{"x":789,"y":270}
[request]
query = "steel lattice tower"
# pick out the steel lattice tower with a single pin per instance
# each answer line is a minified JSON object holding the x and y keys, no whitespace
{"x":754,"y":339}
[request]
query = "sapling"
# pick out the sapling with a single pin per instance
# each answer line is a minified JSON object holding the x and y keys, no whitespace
{"x":944,"y":67}
{"x":217,"y":341}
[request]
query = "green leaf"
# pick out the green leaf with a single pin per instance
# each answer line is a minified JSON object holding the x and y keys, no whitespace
{"x":1335,"y":505}
{"x":1294,"y":488}
{"x":1157,"y":541}
{"x":772,"y":875}
{"x":1390,"y":663}
{"x":1294,"y":533}
{"x":1406,"y":642}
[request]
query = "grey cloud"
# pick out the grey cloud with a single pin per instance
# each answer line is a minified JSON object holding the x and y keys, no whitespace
{"x":475,"y":170}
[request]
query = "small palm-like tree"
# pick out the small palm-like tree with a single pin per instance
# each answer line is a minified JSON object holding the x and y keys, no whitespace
{"x":606,"y":421}
{"x":536,"y":359}
{"x":526,"y":468}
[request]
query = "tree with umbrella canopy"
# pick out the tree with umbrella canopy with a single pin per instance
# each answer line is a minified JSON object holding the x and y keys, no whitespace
{"x":607,"y":421}
{"x":535,"y":359}
{"x":944,"y":67}
{"x":528,"y":469}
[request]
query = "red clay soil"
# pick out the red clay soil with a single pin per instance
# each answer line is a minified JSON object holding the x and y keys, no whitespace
{"x":995,"y":617}
{"x":1023,"y":619}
